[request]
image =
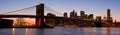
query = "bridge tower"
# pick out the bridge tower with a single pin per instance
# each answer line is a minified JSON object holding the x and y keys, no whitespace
{"x":40,"y":15}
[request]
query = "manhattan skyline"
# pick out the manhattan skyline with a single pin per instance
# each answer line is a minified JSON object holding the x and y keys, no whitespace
{"x":96,"y":7}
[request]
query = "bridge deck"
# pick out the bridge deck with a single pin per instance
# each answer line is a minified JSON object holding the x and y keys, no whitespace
{"x":17,"y":16}
{"x":24,"y":16}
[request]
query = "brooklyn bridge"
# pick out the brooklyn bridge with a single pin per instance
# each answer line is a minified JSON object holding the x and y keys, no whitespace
{"x":39,"y":17}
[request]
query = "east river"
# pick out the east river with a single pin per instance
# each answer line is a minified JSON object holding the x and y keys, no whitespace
{"x":61,"y":31}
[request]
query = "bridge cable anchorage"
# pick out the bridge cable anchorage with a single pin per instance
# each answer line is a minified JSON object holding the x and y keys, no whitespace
{"x":17,"y":10}
{"x":52,"y":10}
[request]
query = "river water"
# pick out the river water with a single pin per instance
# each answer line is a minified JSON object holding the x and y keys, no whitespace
{"x":60,"y":31}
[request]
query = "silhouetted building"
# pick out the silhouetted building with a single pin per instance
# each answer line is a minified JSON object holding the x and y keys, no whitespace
{"x":50,"y":14}
{"x":50,"y":20}
{"x":75,"y":15}
{"x":65,"y":15}
{"x":98,"y":22}
{"x":86,"y":16}
{"x":72,"y":14}
{"x":109,"y":18}
{"x":115,"y":21}
{"x":6,"y":23}
{"x":104,"y":19}
{"x":64,"y":20}
{"x":82,"y":13}
{"x":98,"y":18}
{"x":90,"y":16}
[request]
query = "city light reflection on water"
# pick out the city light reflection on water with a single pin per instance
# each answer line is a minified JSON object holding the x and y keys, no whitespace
{"x":60,"y":31}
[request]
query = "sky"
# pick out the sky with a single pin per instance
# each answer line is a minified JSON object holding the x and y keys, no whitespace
{"x":96,"y":7}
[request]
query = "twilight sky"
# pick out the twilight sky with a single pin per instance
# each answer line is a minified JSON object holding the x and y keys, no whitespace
{"x":96,"y":7}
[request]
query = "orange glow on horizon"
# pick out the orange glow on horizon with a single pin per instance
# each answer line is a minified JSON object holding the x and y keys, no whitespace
{"x":29,"y":21}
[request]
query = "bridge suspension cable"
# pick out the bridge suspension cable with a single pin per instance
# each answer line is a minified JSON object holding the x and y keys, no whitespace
{"x":17,"y":10}
{"x":46,"y":8}
{"x":52,"y":10}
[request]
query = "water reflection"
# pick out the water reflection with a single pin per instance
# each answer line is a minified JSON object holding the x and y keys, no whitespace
{"x":28,"y":31}
{"x":13,"y":31}
{"x":22,"y":31}
{"x":60,"y":31}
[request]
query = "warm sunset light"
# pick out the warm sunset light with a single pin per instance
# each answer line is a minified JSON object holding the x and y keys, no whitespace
{"x":59,"y":17}
{"x":24,"y":22}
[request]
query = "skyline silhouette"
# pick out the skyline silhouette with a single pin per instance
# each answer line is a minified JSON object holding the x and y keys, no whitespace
{"x":96,"y":7}
{"x":59,"y":17}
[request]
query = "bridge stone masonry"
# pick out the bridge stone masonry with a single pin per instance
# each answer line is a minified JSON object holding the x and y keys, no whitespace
{"x":40,"y":16}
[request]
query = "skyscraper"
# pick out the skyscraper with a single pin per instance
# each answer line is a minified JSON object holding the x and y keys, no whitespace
{"x":109,"y":18}
{"x":108,"y":14}
{"x":72,"y":14}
